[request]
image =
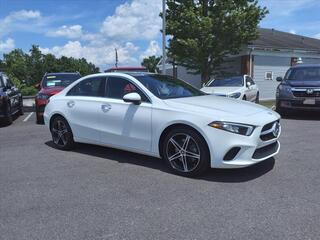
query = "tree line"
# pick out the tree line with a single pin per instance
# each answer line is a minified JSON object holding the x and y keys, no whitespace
{"x":27,"y":69}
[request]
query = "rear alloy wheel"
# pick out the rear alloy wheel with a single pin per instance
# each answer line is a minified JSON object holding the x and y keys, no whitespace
{"x":61,"y":134}
{"x":186,"y":152}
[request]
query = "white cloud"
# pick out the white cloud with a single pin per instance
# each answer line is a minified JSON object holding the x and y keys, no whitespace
{"x":74,"y":31}
{"x":292,"y":31}
{"x":153,"y":49}
{"x":23,"y":20}
{"x":317,"y":35}
{"x":101,"y":55}
{"x":24,"y":15}
{"x":6,"y":46}
{"x":136,"y":20}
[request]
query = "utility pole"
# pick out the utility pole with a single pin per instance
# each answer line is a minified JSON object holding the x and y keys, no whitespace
{"x":164,"y":57}
{"x":116,"y":58}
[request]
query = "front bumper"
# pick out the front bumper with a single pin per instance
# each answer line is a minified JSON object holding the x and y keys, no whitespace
{"x":252,"y":149}
{"x":312,"y":104}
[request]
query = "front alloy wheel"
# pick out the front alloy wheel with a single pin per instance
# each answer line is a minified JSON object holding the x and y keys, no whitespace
{"x":186,"y":152}
{"x":61,"y":134}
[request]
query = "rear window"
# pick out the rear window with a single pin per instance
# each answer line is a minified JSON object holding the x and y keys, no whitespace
{"x":59,"y":80}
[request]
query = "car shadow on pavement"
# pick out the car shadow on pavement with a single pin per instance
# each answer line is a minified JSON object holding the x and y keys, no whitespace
{"x":214,"y":175}
{"x":4,"y":124}
{"x":302,"y":115}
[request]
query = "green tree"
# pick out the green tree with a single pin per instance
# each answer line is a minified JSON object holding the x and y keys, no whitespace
{"x":31,"y":67}
{"x":204,"y":32}
{"x":151,"y":63}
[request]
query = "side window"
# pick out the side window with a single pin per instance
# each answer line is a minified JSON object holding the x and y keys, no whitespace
{"x":118,"y":87}
{"x":91,"y":87}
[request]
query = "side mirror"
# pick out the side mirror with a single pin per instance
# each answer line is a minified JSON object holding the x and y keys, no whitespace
{"x":248,"y":84}
{"x":37,"y":86}
{"x":279,"y":79}
{"x":134,"y":98}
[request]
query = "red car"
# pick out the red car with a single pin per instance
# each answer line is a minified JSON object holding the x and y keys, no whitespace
{"x":51,"y":84}
{"x":127,"y":69}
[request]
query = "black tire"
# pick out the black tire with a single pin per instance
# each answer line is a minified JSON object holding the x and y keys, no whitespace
{"x":257,"y":98}
{"x":61,"y":133}
{"x":39,"y":119}
{"x":196,"y":146}
{"x":21,"y":112}
{"x":8,"y":118}
{"x":281,"y":111}
{"x":244,"y":98}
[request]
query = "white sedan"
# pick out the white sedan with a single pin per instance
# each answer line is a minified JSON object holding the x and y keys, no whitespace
{"x":239,"y":87}
{"x":164,"y":117}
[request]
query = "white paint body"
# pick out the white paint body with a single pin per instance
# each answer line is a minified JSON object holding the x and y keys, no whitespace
{"x":246,"y":91}
{"x":138,"y":128}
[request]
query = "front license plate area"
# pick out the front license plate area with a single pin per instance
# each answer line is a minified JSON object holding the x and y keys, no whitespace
{"x":309,"y":101}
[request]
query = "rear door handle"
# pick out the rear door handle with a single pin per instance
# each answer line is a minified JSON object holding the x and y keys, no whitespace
{"x":70,"y":104}
{"x":105,"y":107}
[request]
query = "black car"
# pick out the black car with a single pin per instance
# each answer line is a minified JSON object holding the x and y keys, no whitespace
{"x":299,"y":89}
{"x":10,"y":99}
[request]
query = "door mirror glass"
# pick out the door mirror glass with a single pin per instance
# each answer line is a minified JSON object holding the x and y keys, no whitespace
{"x":248,"y":84}
{"x":132,"y":97}
{"x":279,"y":79}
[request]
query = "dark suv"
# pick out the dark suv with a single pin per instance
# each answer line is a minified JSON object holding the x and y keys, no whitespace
{"x":51,"y":84}
{"x":10,"y":99}
{"x":299,"y":89}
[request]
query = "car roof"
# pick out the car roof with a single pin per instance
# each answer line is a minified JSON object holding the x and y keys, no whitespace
{"x":305,"y":65}
{"x":63,"y":73}
{"x":126,"y":69}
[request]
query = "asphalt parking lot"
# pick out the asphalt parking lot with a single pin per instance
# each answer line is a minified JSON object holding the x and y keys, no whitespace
{"x":101,"y":193}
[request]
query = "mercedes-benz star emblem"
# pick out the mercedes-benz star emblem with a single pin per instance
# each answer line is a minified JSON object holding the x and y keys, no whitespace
{"x":276,"y":129}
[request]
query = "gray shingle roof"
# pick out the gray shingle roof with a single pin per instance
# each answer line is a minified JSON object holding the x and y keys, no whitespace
{"x":271,"y":38}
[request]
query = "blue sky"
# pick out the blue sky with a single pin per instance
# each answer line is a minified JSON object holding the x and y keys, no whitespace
{"x":93,"y":29}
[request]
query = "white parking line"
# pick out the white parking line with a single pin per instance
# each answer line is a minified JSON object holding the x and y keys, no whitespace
{"x":27,"y":118}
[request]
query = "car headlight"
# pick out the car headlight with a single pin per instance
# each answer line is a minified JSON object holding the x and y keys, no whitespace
{"x":238,"y":128}
{"x":235,"y":95}
{"x":285,"y":88}
{"x":43,"y":96}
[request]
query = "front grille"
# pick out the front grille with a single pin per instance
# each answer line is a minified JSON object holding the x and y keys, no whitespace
{"x":266,"y":151}
{"x":304,"y":94}
{"x":267,"y":131}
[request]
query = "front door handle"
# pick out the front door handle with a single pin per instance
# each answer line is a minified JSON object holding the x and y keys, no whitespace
{"x":105,"y":107}
{"x":70,"y":104}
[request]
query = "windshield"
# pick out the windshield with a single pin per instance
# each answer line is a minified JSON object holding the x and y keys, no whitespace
{"x":227,"y":82}
{"x":166,"y":87}
{"x":59,"y":80}
{"x":303,"y":73}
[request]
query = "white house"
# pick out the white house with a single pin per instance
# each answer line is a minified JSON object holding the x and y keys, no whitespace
{"x":264,"y":59}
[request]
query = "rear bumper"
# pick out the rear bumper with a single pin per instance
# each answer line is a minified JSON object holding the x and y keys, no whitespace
{"x":299,"y":104}
{"x":40,"y":106}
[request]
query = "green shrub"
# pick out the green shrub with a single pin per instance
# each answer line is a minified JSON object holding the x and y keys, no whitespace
{"x":28,"y":91}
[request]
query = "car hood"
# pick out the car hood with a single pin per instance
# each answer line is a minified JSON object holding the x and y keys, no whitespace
{"x":221,"y":90}
{"x":51,"y":90}
{"x":304,"y":83}
{"x":210,"y":104}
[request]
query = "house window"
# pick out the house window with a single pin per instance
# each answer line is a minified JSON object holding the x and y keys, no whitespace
{"x":268,"y":76}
